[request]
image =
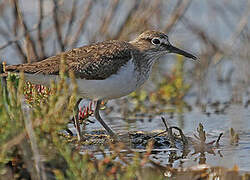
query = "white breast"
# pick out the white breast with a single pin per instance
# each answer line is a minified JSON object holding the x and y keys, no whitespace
{"x":121,"y":84}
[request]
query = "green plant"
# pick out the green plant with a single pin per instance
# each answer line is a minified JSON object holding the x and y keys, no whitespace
{"x":170,"y":91}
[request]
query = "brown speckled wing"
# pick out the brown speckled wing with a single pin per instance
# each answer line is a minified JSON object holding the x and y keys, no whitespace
{"x":93,"y":62}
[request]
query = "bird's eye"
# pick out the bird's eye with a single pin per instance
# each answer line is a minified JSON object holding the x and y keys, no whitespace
{"x":155,"y":41}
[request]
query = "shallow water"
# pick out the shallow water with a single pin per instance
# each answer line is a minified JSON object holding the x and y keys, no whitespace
{"x":222,"y":112}
{"x":236,"y":117}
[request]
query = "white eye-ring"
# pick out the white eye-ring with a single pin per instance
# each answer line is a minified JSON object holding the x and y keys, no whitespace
{"x":155,"y":41}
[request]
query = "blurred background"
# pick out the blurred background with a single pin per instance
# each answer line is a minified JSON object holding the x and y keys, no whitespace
{"x":214,"y":91}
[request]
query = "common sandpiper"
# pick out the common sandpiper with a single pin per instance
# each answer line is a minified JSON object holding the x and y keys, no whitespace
{"x":105,"y":70}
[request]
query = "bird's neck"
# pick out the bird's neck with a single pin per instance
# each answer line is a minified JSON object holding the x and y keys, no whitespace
{"x":143,"y":67}
{"x":144,"y":58}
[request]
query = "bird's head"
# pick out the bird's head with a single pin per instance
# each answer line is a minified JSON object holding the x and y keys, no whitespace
{"x":156,"y":44}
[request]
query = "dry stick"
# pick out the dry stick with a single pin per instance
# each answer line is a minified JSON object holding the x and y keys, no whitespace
{"x":14,"y":29}
{"x":219,"y":52}
{"x":70,"y":23}
{"x":158,"y":165}
{"x":220,"y":12}
{"x":217,"y":141}
{"x":77,"y":125}
{"x":14,"y":141}
{"x":5,"y":35}
{"x":27,"y":159}
{"x":178,"y":12}
{"x":21,"y":52}
{"x":153,"y":11}
{"x":166,"y":126}
{"x":212,"y":44}
{"x":19,"y":37}
{"x":86,"y":14}
{"x":15,"y":41}
{"x":108,"y":18}
{"x":7,"y":23}
{"x":139,"y":14}
{"x":165,"y":123}
{"x":158,"y":14}
{"x":171,"y":137}
{"x":57,"y":25}
{"x":243,"y":22}
{"x":183,"y":137}
{"x":39,"y":32}
{"x":201,"y":33}
{"x":123,"y":26}
{"x":34,"y":147}
{"x":2,"y":7}
{"x":20,"y":137}
{"x":29,"y":39}
{"x":15,"y":14}
{"x":147,"y":13}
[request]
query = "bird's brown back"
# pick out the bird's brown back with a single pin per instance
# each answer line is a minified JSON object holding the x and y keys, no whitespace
{"x":97,"y":61}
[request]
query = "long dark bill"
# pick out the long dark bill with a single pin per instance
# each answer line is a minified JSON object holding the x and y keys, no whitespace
{"x":176,"y":50}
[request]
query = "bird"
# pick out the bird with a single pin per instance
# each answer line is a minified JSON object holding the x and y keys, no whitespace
{"x":106,"y":70}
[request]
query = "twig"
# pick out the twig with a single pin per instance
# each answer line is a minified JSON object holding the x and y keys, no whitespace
{"x":78,"y":128}
{"x":166,"y":126}
{"x":34,"y":147}
{"x":178,"y":12}
{"x":57,"y":25}
{"x":131,"y":13}
{"x":183,"y":137}
{"x":243,"y":22}
{"x":108,"y":18}
{"x":2,"y":7}
{"x":217,"y":141}
{"x":171,"y":137}
{"x":30,"y":41}
{"x":70,"y":23}
{"x":39,"y":32}
{"x":83,"y":21}
{"x":201,"y":33}
{"x":165,"y":123}
{"x":14,"y":29}
{"x":15,"y":40}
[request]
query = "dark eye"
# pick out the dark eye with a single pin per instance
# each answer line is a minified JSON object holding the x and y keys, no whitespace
{"x":155,"y":41}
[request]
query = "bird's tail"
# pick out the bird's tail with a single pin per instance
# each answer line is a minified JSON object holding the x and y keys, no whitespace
{"x":4,"y":69}
{"x":1,"y":68}
{"x":3,"y":73}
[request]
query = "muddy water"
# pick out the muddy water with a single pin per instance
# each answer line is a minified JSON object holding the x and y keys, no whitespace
{"x":236,"y":116}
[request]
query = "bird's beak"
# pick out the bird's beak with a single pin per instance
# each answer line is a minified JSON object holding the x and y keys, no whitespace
{"x":176,"y":50}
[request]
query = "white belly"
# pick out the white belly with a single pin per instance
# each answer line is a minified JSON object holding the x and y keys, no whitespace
{"x":115,"y":86}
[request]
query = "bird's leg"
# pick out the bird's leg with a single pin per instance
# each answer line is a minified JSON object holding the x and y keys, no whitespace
{"x":76,"y":109}
{"x":98,"y":117}
{"x":75,"y":120}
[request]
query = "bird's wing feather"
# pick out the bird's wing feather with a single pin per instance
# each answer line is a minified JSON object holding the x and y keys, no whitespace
{"x":93,"y":62}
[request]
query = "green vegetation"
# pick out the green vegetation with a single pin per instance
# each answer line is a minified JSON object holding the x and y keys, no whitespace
{"x":32,"y":145}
